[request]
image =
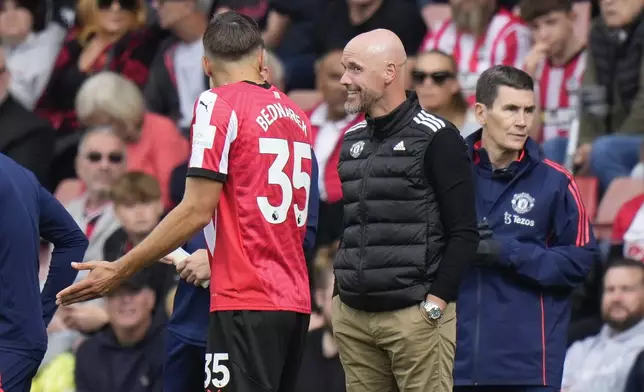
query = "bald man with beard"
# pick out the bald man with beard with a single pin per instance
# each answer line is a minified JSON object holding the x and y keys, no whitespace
{"x":410,"y":228}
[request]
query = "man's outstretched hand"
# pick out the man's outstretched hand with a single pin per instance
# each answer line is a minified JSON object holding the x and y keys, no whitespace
{"x":103,"y":277}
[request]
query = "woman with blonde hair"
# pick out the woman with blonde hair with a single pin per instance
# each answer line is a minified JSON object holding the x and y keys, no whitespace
{"x":154,"y":144}
{"x":112,"y":36}
{"x":435,"y":80}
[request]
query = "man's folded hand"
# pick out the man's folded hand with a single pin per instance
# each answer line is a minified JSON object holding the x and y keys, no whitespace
{"x":489,"y":249}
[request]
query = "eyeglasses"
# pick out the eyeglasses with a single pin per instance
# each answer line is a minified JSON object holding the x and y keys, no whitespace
{"x":438,"y":77}
{"x":113,"y":157}
{"x":127,"y":5}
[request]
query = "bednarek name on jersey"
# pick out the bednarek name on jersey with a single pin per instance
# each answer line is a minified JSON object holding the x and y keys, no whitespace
{"x":273,"y":112}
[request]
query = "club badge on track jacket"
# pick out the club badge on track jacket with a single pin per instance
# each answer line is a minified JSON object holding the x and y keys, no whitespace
{"x":513,"y":319}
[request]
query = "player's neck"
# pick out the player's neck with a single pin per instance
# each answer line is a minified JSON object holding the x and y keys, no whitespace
{"x":130,"y":337}
{"x":499,"y":157}
{"x":191,"y":28}
{"x":239,"y":74}
{"x":572,"y":47}
{"x":359,"y":13}
{"x":387,"y":104}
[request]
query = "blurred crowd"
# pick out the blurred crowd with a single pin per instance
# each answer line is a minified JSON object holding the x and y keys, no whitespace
{"x":97,"y":96}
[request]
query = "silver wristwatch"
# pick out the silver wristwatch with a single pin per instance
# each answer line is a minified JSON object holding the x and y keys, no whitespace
{"x":434,"y":311}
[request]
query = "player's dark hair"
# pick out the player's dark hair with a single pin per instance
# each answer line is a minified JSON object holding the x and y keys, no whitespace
{"x":533,"y":9}
{"x":487,"y":87}
{"x":135,"y":188}
{"x":231,"y":36}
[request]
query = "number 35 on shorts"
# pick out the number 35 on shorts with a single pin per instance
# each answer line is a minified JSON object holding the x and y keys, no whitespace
{"x":217,"y":373}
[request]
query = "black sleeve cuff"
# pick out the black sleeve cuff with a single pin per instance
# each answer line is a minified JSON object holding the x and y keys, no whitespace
{"x":206,"y":173}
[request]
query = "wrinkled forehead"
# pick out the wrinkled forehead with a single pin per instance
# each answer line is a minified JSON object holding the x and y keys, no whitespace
{"x":360,"y":57}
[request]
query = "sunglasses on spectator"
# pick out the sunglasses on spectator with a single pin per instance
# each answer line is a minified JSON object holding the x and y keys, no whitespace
{"x":113,"y":157}
{"x":438,"y":77}
{"x":127,"y":5}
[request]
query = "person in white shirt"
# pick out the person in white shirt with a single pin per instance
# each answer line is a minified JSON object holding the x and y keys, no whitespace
{"x":602,"y":363}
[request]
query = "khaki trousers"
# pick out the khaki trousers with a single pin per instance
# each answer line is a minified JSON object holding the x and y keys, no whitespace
{"x":402,"y":350}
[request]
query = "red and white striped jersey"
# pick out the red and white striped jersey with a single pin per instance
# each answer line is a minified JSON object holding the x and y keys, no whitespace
{"x":558,"y":90}
{"x":256,"y":141}
{"x":506,"y":41}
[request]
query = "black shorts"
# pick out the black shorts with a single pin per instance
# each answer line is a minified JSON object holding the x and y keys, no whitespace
{"x":254,"y":351}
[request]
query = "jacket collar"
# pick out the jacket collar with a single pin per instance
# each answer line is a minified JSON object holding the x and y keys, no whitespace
{"x":531,"y":153}
{"x":387,"y":125}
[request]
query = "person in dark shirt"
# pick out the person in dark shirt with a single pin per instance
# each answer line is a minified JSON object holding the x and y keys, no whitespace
{"x":344,"y":19}
{"x":28,"y":213}
{"x":127,"y":355}
{"x":321,"y":369}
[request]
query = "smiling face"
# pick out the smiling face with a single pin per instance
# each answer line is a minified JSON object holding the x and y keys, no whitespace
{"x":507,"y":121}
{"x":363,"y":81}
{"x":129,"y":307}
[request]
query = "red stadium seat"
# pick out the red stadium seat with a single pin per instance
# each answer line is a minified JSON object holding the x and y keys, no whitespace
{"x":305,"y":99}
{"x":588,"y":187}
{"x":619,"y":191}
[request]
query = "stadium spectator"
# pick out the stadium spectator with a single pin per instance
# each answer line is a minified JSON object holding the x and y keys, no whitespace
{"x":435,"y":80}
{"x":176,"y":76}
{"x":154,"y":144}
{"x":344,"y":19}
{"x":31,"y":45}
{"x":601,"y":363}
{"x":321,"y":369}
{"x":128,"y":354}
{"x":138,"y":207}
{"x":99,"y":163}
{"x":479,"y":35}
{"x":329,"y":123}
{"x":25,"y":138}
{"x":556,"y":62}
{"x":409,"y":228}
{"x":112,"y":36}
{"x":101,"y":160}
{"x":613,"y":106}
{"x":535,"y":248}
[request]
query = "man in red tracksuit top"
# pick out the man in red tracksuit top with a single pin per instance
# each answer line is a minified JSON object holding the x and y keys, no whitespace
{"x":536,"y":246}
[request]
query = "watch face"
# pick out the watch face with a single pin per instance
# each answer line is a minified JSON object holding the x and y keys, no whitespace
{"x":434,"y":312}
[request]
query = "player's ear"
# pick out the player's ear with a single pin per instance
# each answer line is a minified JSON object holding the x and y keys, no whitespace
{"x":480,"y":112}
{"x":263,"y":60}
{"x":206,"y":66}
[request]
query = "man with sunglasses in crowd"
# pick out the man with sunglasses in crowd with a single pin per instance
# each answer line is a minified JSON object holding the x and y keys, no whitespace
{"x":409,"y":228}
{"x":28,"y":213}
